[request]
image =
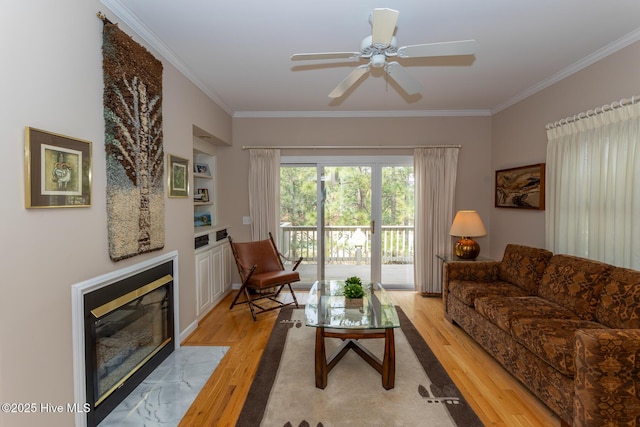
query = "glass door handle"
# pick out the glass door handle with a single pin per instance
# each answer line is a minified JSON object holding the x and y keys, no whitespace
{"x":373,"y":227}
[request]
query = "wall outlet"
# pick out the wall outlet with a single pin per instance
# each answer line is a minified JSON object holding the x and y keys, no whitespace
{"x":246,"y":220}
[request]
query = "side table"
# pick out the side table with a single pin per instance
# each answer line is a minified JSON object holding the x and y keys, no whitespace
{"x":454,"y":258}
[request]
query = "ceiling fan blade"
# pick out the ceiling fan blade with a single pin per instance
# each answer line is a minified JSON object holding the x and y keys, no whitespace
{"x":463,"y":47}
{"x":383,"y":25}
{"x":404,"y":79}
{"x":351,"y":79}
{"x":325,"y":55}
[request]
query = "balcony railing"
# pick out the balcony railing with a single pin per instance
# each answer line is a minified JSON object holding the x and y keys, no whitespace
{"x":347,"y":244}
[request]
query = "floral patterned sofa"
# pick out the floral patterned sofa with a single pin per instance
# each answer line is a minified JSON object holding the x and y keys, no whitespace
{"x":568,"y":328}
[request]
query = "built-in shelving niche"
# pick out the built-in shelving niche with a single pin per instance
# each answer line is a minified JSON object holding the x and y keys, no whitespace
{"x":205,"y":212}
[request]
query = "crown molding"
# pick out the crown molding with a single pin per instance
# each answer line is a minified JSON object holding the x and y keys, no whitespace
{"x":596,"y":56}
{"x":352,"y":114}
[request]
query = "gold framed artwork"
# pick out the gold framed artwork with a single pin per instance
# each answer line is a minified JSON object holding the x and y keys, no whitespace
{"x":521,"y":187}
{"x":57,"y":170}
{"x":178,"y":176}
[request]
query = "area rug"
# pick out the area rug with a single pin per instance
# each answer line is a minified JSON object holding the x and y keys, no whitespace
{"x":133,"y":143}
{"x":283,"y":392}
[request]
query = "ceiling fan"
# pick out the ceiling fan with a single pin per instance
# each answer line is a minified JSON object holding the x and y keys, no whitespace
{"x":380,"y":45}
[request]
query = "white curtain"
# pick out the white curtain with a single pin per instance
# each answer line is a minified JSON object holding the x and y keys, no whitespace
{"x":264,"y":193}
{"x":435,"y":182}
{"x":593,"y":187}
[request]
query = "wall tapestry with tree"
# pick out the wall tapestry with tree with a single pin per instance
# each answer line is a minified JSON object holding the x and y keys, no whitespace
{"x":133,"y":144}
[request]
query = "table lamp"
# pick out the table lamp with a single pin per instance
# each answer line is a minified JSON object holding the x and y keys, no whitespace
{"x":467,"y":224}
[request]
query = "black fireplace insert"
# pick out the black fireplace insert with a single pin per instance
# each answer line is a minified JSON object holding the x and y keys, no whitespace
{"x":129,"y":331}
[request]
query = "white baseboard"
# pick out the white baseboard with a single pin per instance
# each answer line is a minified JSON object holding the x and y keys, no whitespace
{"x":188,"y":330}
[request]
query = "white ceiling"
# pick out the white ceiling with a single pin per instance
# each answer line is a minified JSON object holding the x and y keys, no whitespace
{"x":237,"y":51}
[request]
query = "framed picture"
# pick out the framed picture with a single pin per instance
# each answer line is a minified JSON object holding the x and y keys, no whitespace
{"x":201,"y":219}
{"x":521,"y":187}
{"x":204,"y":194}
{"x":202,"y":168}
{"x":57,"y":170}
{"x":178,"y":176}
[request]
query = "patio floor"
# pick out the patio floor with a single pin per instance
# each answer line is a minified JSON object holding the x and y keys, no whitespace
{"x":394,"y":276}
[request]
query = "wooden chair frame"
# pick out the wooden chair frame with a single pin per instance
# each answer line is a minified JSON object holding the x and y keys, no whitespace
{"x":250,"y":281}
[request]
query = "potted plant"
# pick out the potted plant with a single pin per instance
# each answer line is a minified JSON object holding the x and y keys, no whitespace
{"x":353,"y":291}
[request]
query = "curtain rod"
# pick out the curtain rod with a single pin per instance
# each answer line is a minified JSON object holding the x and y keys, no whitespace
{"x":103,"y":18}
{"x":598,"y":110}
{"x":316,"y":147}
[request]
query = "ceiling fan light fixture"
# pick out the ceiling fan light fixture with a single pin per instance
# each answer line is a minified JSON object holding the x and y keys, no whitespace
{"x":378,"y":60}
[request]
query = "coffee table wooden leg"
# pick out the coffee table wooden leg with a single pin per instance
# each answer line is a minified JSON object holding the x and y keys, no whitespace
{"x":321,"y":360}
{"x":389,"y":360}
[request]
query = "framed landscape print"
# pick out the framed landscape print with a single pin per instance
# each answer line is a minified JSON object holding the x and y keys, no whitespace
{"x":178,"y":176}
{"x":57,"y":170}
{"x":201,"y":219}
{"x":521,"y":188}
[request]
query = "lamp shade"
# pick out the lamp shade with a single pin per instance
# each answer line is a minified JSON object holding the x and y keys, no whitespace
{"x":467,"y":224}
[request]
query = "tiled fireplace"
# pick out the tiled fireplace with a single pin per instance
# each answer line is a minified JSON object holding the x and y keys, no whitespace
{"x":123,"y":329}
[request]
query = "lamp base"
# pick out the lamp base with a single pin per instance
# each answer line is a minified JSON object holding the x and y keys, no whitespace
{"x":467,"y":248}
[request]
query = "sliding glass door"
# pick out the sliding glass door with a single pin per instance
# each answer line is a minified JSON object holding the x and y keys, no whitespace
{"x":299,"y":229}
{"x":349,"y":217}
{"x":397,"y":225}
{"x":346,"y":225}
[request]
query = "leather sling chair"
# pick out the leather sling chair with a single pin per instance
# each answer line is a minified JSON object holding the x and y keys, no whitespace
{"x":263,"y":275}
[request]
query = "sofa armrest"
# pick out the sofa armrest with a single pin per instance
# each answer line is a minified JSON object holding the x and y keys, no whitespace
{"x":607,"y":379}
{"x":477,"y":271}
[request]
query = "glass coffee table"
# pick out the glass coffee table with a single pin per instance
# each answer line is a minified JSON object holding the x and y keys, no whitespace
{"x":334,"y":316}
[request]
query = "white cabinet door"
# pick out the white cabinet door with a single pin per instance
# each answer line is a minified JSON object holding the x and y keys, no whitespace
{"x":218,"y":271}
{"x":204,"y":276}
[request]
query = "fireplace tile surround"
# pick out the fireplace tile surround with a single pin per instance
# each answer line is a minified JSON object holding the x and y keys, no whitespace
{"x":166,"y":394}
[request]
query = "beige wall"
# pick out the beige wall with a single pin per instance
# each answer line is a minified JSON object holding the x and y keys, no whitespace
{"x":520,"y":138}
{"x":52,"y":80}
{"x":474,"y":184}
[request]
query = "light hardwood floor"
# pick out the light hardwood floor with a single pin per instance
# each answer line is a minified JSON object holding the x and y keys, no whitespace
{"x":497,"y":398}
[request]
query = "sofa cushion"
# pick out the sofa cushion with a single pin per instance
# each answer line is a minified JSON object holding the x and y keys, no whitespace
{"x":523,"y":266}
{"x":552,"y":340}
{"x":467,"y":292}
{"x":574,"y":283}
{"x":501,"y":310}
{"x":619,"y":305}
